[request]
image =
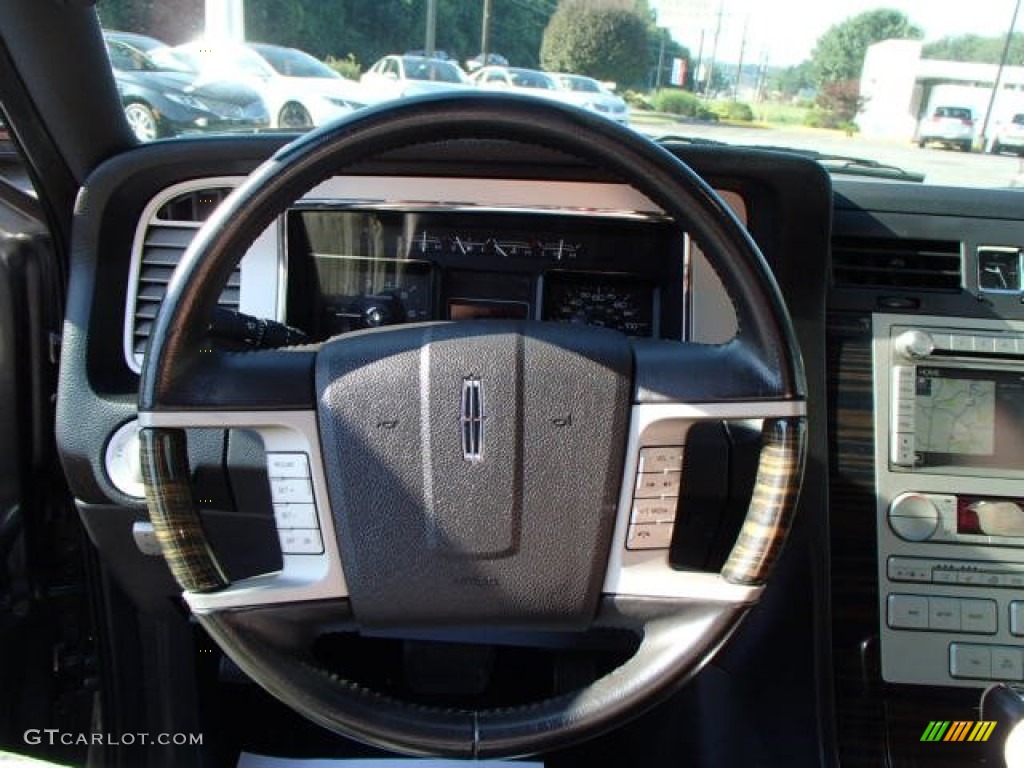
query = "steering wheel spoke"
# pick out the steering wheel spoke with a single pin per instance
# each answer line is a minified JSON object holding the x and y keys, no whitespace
{"x":311,"y":564}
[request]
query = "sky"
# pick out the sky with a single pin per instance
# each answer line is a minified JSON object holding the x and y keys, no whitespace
{"x":785,"y":31}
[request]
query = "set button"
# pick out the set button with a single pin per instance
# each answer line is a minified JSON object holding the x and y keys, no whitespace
{"x":291,"y":490}
{"x":655,"y":497}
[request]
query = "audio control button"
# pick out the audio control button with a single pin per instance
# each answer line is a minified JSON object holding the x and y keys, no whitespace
{"x":903,"y":449}
{"x":913,"y":517}
{"x":972,"y":661}
{"x":978,"y":616}
{"x":1017,"y":618}
{"x":908,"y":612}
{"x":1007,"y":664}
{"x":654,"y":510}
{"x":944,"y":613}
{"x":962,"y":343}
{"x":664,"y":458}
{"x":1005,"y":345}
{"x":984,"y":344}
{"x":904,"y":569}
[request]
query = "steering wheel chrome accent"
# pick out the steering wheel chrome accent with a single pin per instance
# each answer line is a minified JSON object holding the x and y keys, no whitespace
{"x":315,"y":403}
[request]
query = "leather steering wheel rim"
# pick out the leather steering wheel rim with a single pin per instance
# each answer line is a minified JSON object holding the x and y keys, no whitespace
{"x":678,"y":636}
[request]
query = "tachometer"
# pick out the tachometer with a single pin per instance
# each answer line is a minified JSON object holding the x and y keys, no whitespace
{"x":621,"y":302}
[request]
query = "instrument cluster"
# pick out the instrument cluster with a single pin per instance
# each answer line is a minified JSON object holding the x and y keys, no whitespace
{"x":352,"y":269}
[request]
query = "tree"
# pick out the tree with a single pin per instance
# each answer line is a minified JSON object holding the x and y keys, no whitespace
{"x":839,"y":53}
{"x":791,"y":80}
{"x":604,"y":43}
{"x":987,"y":50}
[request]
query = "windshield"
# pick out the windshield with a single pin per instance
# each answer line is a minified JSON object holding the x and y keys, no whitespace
{"x":581,"y":84}
{"x":417,"y":68}
{"x":292,"y":63}
{"x":934,"y":89}
{"x":125,"y":57}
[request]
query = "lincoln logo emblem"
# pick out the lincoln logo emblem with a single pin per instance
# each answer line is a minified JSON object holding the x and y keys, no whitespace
{"x":472,"y":419}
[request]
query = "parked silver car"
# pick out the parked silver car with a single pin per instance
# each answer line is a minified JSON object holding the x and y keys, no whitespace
{"x":593,"y":95}
{"x":951,"y":126}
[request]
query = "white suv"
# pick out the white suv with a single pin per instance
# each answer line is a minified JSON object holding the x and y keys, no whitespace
{"x":952,"y":126}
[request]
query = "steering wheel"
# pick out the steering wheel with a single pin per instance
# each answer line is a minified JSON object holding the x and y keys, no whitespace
{"x":467,"y":479}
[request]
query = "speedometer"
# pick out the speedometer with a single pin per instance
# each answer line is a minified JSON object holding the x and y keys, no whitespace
{"x":621,"y":302}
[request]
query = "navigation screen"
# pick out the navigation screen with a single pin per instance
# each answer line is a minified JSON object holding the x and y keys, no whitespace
{"x":969,"y":417}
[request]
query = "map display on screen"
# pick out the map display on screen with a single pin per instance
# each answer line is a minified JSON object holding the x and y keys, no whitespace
{"x":955,"y":415}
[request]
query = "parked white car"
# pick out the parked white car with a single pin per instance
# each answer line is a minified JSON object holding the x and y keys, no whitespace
{"x":518,"y":79}
{"x":952,"y":126}
{"x":300,"y":91}
{"x":593,"y":95}
{"x":395,"y":76}
{"x":1009,"y":137}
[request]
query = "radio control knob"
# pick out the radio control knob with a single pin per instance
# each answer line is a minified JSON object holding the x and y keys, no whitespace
{"x":913,"y":517}
{"x":915,"y":344}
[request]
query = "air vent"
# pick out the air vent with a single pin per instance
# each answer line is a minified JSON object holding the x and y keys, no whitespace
{"x":904,"y":264}
{"x":171,"y":225}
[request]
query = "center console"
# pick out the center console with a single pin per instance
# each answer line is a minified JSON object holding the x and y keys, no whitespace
{"x":949,"y":464}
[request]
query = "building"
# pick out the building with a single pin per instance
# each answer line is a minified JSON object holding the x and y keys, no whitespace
{"x":899,"y":87}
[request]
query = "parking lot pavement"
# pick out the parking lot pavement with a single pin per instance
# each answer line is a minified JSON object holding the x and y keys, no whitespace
{"x":940,"y":166}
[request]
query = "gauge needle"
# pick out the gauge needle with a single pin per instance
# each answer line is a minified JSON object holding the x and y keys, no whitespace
{"x":998,"y":272}
{"x":500,"y":251}
{"x":461,"y":246}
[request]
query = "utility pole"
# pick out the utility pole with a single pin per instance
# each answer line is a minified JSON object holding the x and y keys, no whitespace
{"x":661,"y":60}
{"x":714,"y":49}
{"x":431,"y":42}
{"x":999,"y":76}
{"x":739,"y":66}
{"x":699,"y":71}
{"x":485,"y":34}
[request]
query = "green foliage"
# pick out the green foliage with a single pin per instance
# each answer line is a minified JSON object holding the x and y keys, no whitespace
{"x":839,"y":53}
{"x":637,"y":100}
{"x":791,"y":80}
{"x":673,"y":101}
{"x":676,"y":102}
{"x":604,"y":43}
{"x":837,"y":106}
{"x":736,"y":111}
{"x":988,"y":50}
{"x":347,"y":67}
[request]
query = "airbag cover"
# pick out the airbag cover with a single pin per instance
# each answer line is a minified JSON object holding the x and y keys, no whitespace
{"x":474,"y":470}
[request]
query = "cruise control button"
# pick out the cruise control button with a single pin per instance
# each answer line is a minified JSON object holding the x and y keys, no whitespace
{"x":295,"y":516}
{"x":1007,"y":663}
{"x":287,"y":465}
{"x":291,"y":490}
{"x":978,"y":616}
{"x":301,"y":541}
{"x":973,"y":661}
{"x":653,"y":485}
{"x":649,"y":536}
{"x":654,"y":510}
{"x":661,"y":459}
{"x":908,"y":612}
